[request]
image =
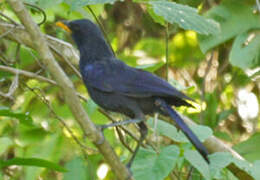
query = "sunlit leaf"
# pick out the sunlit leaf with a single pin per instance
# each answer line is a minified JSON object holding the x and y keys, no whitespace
{"x":80,"y":3}
{"x":32,"y":162}
{"x":5,"y":143}
{"x":23,"y":118}
{"x":151,"y":67}
{"x":185,"y":16}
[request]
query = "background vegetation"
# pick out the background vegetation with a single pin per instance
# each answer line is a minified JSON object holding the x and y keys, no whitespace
{"x":213,"y":57}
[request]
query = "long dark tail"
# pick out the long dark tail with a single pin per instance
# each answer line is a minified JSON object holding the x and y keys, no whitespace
{"x":185,"y":129}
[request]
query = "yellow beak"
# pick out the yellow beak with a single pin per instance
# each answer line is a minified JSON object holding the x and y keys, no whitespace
{"x":63,"y":26}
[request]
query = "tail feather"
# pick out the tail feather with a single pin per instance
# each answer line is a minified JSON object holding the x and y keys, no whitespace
{"x":185,"y":129}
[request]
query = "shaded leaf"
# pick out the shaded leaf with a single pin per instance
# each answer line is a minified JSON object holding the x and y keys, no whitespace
{"x":234,"y":17}
{"x":77,"y":168}
{"x":150,"y":165}
{"x":250,"y":148}
{"x":197,"y":161}
{"x":170,"y":131}
{"x":255,"y":170}
{"x":218,"y":161}
{"x":246,"y":54}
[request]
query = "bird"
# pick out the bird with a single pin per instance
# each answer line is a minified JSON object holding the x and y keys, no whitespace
{"x":117,"y":87}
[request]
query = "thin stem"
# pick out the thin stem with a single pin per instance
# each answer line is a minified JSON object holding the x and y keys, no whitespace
{"x":167,"y":50}
{"x":101,"y":27}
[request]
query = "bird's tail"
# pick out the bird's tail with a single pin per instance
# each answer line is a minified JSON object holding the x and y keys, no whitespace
{"x":185,"y":129}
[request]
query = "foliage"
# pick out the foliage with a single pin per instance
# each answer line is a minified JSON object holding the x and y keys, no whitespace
{"x":34,"y":143}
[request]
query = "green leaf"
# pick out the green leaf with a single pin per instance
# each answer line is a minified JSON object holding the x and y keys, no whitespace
{"x":185,"y":16}
{"x":224,"y":114}
{"x":151,"y":67}
{"x":23,"y":118}
{"x":250,"y":148}
{"x":170,"y":131}
{"x":255,"y":170}
{"x":197,"y":161}
{"x":150,"y":165}
{"x":218,"y":161}
{"x":234,"y":17}
{"x":156,"y":18}
{"x":32,"y":162}
{"x":5,"y":143}
{"x":77,"y":168}
{"x":246,"y":54}
{"x":80,"y":3}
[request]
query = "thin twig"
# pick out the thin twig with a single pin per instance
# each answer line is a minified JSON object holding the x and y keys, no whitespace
{"x":47,"y":103}
{"x":167,"y":49}
{"x":190,"y":173}
{"x":77,"y":141}
{"x":8,"y":18}
{"x":102,"y":28}
{"x":66,"y":60}
{"x":121,"y":138}
{"x":26,"y":73}
{"x":40,"y":10}
{"x":204,"y":84}
{"x":122,"y":127}
{"x":7,"y":32}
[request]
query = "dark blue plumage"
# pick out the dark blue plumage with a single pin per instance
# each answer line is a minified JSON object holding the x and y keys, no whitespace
{"x":117,"y":87}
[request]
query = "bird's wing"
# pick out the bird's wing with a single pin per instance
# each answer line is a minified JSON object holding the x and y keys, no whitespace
{"x":117,"y":77}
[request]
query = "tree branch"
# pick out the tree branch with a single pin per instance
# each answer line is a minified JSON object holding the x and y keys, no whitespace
{"x":41,"y":46}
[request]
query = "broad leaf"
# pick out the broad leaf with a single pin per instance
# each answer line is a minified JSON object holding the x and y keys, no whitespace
{"x":170,"y":131}
{"x":32,"y":162}
{"x":185,"y":16}
{"x":151,"y":67}
{"x":23,"y":118}
{"x":245,"y":52}
{"x":250,"y":148}
{"x":77,"y":168}
{"x":255,"y":170}
{"x":234,"y":17}
{"x":79,"y":3}
{"x":218,"y":161}
{"x":150,"y":165}
{"x":198,"y":162}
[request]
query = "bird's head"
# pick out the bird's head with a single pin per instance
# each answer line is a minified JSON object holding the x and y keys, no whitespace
{"x":81,"y":27}
{"x":87,"y":36}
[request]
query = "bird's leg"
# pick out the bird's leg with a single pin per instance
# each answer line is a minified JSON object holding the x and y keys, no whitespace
{"x":155,"y":128}
{"x":129,"y":121}
{"x":143,"y":131}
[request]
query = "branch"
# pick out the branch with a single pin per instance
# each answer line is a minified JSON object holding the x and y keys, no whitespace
{"x":26,"y":73}
{"x":19,"y":34}
{"x":41,"y":46}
